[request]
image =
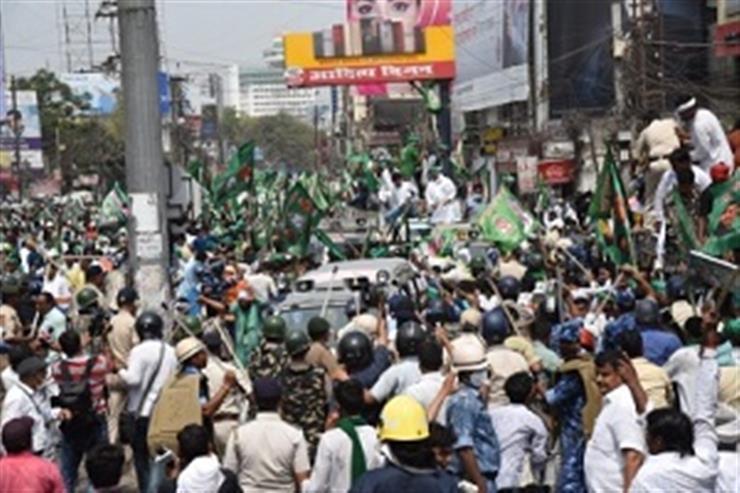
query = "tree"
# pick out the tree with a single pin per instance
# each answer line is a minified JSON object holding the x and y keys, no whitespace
{"x":79,"y":144}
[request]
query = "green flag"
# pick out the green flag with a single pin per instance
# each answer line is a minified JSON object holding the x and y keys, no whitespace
{"x":502,"y":222}
{"x":609,"y":212}
{"x":685,"y":225}
{"x":114,"y":209}
{"x":334,"y":250}
{"x":300,"y":217}
{"x":237,"y":177}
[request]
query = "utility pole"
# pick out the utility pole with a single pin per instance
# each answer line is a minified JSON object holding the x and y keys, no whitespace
{"x":14,"y":123}
{"x":145,"y":170}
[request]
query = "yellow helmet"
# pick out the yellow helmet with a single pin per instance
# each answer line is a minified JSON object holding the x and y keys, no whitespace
{"x":403,"y":419}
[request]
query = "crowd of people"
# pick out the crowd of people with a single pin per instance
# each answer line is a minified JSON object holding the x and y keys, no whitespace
{"x":546,"y":367}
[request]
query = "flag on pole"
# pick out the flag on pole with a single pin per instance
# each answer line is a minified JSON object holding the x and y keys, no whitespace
{"x":237,"y":178}
{"x":685,"y":225}
{"x":504,"y":222}
{"x":114,"y":209}
{"x":609,"y":212}
{"x":300,"y":217}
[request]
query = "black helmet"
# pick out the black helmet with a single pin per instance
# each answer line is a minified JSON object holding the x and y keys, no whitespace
{"x":318,"y":327}
{"x":355,"y":350}
{"x":126,"y":296}
{"x":647,"y":312}
{"x":676,"y":287}
{"x":274,"y":329}
{"x":495,"y":326}
{"x":534,"y":261}
{"x":437,"y":312}
{"x":408,"y":338}
{"x":149,"y":325}
{"x":297,"y":341}
{"x":353,"y":307}
{"x":509,"y":287}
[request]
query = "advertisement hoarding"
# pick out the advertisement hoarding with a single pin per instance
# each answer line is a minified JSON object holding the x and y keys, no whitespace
{"x":382,"y":41}
{"x":98,"y":90}
{"x":492,"y":41}
{"x":25,"y":122}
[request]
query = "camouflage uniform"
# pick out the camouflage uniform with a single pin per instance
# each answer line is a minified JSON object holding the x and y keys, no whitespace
{"x":304,"y":401}
{"x":269,"y":360}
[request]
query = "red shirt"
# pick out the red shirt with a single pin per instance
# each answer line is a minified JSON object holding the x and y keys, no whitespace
{"x":98,"y":372}
{"x":26,"y":473}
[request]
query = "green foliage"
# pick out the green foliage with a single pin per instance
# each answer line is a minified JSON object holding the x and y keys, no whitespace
{"x":282,"y":138}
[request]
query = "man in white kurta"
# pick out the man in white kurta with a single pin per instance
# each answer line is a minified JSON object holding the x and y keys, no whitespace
{"x":440,"y":196}
{"x":708,"y":138}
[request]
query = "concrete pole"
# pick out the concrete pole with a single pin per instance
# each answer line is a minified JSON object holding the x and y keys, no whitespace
{"x":145,"y":170}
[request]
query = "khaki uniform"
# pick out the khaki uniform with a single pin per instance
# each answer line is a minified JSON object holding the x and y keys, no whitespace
{"x":227,"y":416}
{"x":121,"y":339}
{"x":10,"y":322}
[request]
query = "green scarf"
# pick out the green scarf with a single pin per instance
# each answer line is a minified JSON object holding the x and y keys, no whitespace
{"x":348,"y":425}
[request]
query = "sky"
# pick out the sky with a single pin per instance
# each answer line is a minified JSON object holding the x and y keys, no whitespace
{"x":213,"y":31}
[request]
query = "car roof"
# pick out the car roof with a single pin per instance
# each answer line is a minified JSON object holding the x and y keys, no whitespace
{"x":353,"y":269}
{"x":313,"y":299}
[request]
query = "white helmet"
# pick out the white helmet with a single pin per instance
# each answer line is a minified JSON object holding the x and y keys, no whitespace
{"x":468,"y":354}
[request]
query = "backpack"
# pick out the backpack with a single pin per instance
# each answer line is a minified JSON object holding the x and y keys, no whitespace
{"x":76,"y":395}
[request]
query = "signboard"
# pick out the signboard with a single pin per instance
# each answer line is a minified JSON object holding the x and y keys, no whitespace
{"x":490,"y":139}
{"x":557,"y":172}
{"x":24,"y":122}
{"x":99,"y":90}
{"x":526,"y":174}
{"x":727,"y":39}
{"x":383,"y":41}
{"x":493,"y":51}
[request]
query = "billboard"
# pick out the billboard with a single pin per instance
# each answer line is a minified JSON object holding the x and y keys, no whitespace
{"x":383,"y":41}
{"x":492,"y":40}
{"x":23,"y":122}
{"x":99,"y":90}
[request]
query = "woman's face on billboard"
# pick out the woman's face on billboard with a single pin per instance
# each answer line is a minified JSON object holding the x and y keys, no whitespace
{"x":406,"y":11}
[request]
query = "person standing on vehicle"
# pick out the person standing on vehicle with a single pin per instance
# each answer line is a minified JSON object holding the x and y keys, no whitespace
{"x":441,"y":198}
{"x":81,"y":380}
{"x":150,"y":364}
{"x":305,"y":398}
{"x":121,"y":340}
{"x":270,"y":358}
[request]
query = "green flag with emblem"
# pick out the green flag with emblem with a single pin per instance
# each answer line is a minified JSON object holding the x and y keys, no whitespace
{"x":503,"y":221}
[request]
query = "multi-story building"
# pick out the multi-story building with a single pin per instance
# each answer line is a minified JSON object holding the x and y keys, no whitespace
{"x":263,"y":93}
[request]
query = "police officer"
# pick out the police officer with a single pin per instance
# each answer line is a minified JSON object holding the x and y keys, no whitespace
{"x":406,"y":371}
{"x":305,"y":395}
{"x":270,"y":358}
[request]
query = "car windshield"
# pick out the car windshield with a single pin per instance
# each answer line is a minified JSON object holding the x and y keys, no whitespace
{"x":297,"y":318}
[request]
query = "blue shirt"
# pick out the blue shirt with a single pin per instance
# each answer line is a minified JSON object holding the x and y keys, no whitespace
{"x":392,"y":478}
{"x":659,"y":345}
{"x":614,"y":329}
{"x":369,"y":375}
{"x":469,"y":418}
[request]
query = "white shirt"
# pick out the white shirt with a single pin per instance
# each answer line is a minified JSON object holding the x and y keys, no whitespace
{"x":426,"y":389}
{"x":403,"y":193}
{"x":668,"y":182}
{"x":658,"y":139}
{"x":617,"y":429}
{"x":59,"y":288}
{"x":520,"y":432}
{"x":201,"y":474}
{"x":710,"y":141}
{"x":440,"y":196}
{"x":264,"y":286}
{"x":22,"y":400}
{"x":141,"y":365}
{"x":697,"y":473}
{"x":396,"y":379}
{"x":333,"y":465}
{"x":9,"y":378}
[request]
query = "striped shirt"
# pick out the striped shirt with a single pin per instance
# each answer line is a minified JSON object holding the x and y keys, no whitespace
{"x":99,"y":370}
